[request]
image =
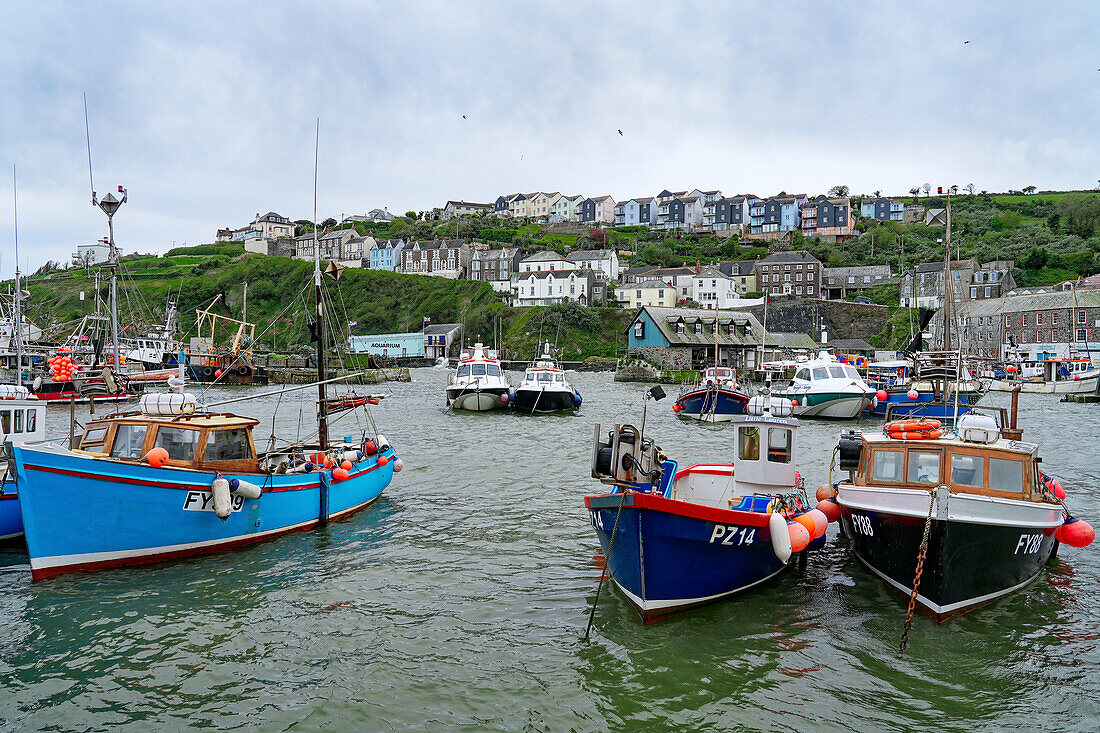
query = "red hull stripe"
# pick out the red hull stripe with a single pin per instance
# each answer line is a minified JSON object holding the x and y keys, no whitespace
{"x":684,"y":509}
{"x":169,"y":485}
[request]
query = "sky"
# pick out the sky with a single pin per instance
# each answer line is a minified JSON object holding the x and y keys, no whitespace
{"x":206,"y":111}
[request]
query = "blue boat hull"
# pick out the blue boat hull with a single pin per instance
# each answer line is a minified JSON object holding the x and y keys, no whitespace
{"x":924,"y":406}
{"x":670,"y":556}
{"x":11,"y":521}
{"x":712,"y":405}
{"x":86,"y":513}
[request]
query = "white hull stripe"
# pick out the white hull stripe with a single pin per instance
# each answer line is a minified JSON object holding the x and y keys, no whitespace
{"x":10,"y":536}
{"x":677,"y":602}
{"x":950,"y":606}
{"x":952,"y":517}
{"x":91,"y":557}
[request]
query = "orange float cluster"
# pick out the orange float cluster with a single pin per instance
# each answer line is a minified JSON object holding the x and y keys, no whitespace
{"x":61,"y":369}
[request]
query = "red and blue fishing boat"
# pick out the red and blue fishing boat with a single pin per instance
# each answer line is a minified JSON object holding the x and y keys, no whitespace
{"x":716,"y":398}
{"x":679,"y":538}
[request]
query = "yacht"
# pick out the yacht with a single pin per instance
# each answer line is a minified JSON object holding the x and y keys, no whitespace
{"x":826,"y":387}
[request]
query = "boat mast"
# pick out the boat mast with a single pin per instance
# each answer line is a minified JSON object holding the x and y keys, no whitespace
{"x":319,"y":324}
{"x":947,"y":280}
{"x":17,"y":313}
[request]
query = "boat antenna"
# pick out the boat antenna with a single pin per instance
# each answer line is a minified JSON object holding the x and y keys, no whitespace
{"x":88,"y":137}
{"x":17,"y":313}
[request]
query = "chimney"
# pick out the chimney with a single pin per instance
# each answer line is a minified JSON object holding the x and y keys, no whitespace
{"x":698,"y":267}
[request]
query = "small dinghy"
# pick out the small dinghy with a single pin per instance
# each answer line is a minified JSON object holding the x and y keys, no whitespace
{"x":676,"y":538}
{"x":545,"y":389}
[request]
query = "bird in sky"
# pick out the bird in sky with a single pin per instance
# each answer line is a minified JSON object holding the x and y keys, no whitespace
{"x":965,"y":42}
{"x":620,"y":133}
{"x":463,"y":116}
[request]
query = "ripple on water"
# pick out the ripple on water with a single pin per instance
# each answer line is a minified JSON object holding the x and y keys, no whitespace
{"x":458,"y":600}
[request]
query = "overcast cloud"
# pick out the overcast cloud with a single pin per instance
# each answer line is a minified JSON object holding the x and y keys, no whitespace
{"x":206,"y":111}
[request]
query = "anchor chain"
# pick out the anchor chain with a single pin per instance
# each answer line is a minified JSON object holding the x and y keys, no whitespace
{"x":607,"y":565}
{"x":920,"y":570}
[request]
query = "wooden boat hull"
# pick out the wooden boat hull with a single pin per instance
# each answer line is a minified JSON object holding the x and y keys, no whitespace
{"x":83,"y":513}
{"x":712,"y":405}
{"x":980,"y":548}
{"x":670,"y":556}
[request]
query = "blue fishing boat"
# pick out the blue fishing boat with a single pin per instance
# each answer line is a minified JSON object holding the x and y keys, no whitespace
{"x":679,"y":538}
{"x":113,"y":501}
{"x":923,"y":387}
{"x":22,"y":420}
{"x":715,"y":399}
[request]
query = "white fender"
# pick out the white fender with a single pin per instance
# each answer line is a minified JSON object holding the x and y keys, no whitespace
{"x":353,"y":455}
{"x":398,"y":465}
{"x":37,"y":383}
{"x":245,"y":489}
{"x":381,"y":442}
{"x":781,"y":537}
{"x":306,"y":467}
{"x":223,"y":505}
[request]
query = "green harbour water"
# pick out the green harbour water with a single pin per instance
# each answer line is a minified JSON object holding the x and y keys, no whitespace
{"x":458,"y":601}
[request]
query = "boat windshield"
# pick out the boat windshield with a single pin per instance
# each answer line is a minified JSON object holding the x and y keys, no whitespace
{"x":545,"y":377}
{"x":228,"y":445}
{"x":821,"y":373}
{"x":492,"y":370}
{"x":464,"y":370}
{"x":837,"y":372}
{"x":179,"y":442}
{"x":780,"y":445}
{"x":477,"y":370}
{"x":748,"y":444}
{"x":128,"y":441}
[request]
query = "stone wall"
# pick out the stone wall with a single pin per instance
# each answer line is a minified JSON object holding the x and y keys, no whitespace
{"x":841,"y":319}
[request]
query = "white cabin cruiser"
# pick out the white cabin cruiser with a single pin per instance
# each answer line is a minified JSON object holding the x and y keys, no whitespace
{"x":479,"y":383}
{"x":825,"y":387}
{"x":545,"y":389}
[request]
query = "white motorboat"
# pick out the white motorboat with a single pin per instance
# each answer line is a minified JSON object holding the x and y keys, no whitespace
{"x":826,"y":387}
{"x":479,"y":383}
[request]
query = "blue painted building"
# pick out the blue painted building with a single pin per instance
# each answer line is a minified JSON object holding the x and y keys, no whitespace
{"x":776,"y":214}
{"x":389,"y":344}
{"x":386,"y":255}
{"x":685,"y":337}
{"x":882,"y":209}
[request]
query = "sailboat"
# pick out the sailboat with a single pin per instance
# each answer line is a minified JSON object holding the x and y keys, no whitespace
{"x":179,"y":478}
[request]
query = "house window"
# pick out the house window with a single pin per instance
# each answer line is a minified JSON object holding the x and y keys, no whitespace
{"x":639,"y":330}
{"x":1023,"y":336}
{"x":809,"y":290}
{"x":1082,"y":334}
{"x":1054,"y":318}
{"x":1023,"y":319}
{"x":973,"y":292}
{"x":1081,"y":316}
{"x":988,"y":290}
{"x":1038,"y":319}
{"x":1053,"y":335}
{"x":1008,"y":320}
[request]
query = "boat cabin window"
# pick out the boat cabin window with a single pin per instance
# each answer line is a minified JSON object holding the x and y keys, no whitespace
{"x":748,"y":444}
{"x":967,"y":470}
{"x":10,"y":423}
{"x":780,"y":445}
{"x":477,"y":370}
{"x":924,"y":467}
{"x":544,"y":377}
{"x":128,"y":441}
{"x":820,"y":373}
{"x":32,"y":420}
{"x":1006,"y":474}
{"x":228,"y":445}
{"x":803,"y":374}
{"x":493,"y":370}
{"x":559,"y":377}
{"x":5,"y":421}
{"x":464,"y":370}
{"x":887,"y":465}
{"x":93,"y":437}
{"x":837,"y":372}
{"x":179,"y":442}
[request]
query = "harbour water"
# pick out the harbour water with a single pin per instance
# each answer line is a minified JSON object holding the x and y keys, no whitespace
{"x":459,"y":601}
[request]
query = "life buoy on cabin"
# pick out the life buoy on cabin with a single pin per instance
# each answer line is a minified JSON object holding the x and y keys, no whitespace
{"x":916,"y":434}
{"x":912,"y":426}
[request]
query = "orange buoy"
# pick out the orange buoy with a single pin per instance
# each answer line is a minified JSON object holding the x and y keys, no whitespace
{"x":157,"y":457}
{"x":370,"y":448}
{"x":317,"y":458}
{"x":346,"y":465}
{"x":830,"y":508}
{"x":820,"y":520}
{"x":806,"y":521}
{"x":382,"y":460}
{"x":800,"y":536}
{"x":339,"y":474}
{"x":825,"y":492}
{"x":1075,"y":533}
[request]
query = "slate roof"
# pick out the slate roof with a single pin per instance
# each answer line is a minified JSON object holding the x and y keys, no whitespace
{"x":441,"y":328}
{"x":796,"y":340}
{"x":272,"y":216}
{"x":546,"y":255}
{"x":789,"y":256}
{"x":495,"y":254}
{"x":666,"y":318}
{"x":737,"y":268}
{"x":588,"y":254}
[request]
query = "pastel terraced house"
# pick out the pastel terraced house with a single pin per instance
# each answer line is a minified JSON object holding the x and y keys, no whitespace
{"x":828,"y":217}
{"x":566,"y":208}
{"x":636,"y":211}
{"x":540,"y":204}
{"x":652,"y":293}
{"x":599,"y":210}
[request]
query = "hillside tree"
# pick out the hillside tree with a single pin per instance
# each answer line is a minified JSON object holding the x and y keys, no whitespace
{"x":1080,"y":213}
{"x":838,"y":190}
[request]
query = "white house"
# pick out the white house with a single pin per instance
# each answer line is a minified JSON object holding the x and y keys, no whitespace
{"x":546,"y":261}
{"x":713,"y":289}
{"x":464,"y":208}
{"x":550,"y":287}
{"x":91,"y":254}
{"x":601,"y":260}
{"x":566,"y":208}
